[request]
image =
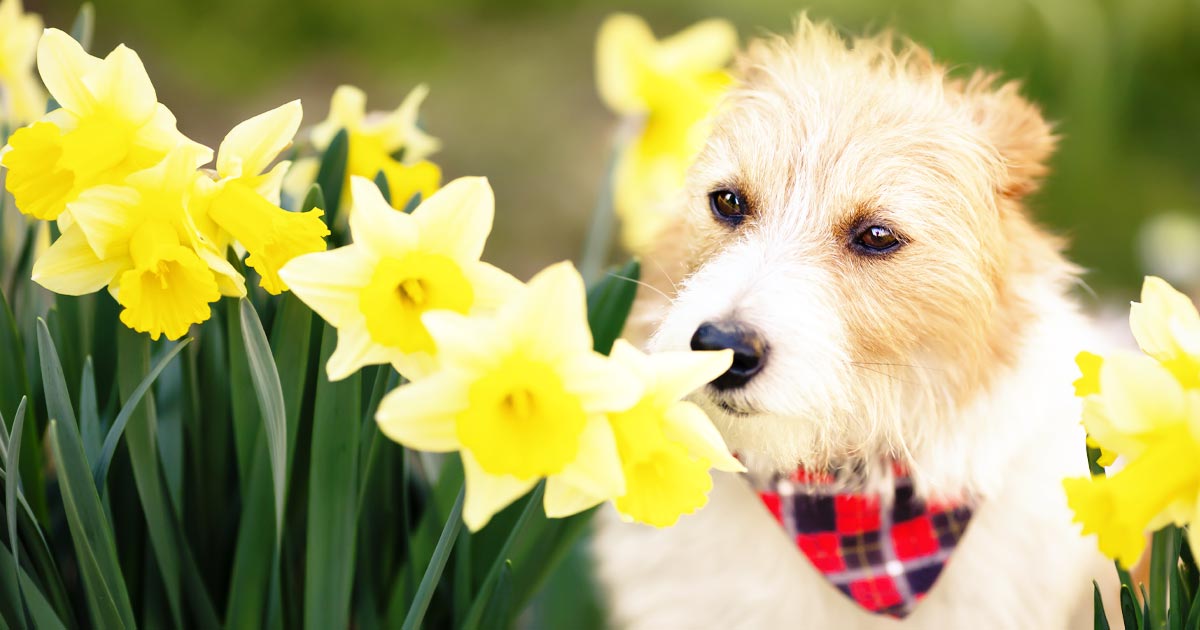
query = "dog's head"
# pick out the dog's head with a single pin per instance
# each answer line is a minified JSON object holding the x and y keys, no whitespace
{"x":853,"y":229}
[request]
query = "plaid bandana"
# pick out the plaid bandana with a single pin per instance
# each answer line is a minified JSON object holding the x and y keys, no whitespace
{"x":884,"y":556}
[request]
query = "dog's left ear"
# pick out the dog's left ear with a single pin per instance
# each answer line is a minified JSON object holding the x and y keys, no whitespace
{"x":1015,"y":127}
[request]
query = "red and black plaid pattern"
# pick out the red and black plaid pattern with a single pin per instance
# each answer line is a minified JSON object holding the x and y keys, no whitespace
{"x":885,"y":553}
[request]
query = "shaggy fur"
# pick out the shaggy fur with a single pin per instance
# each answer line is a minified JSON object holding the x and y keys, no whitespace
{"x":953,"y":354}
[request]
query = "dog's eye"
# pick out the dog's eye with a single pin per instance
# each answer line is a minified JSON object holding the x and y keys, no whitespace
{"x":876,"y":239}
{"x":727,"y":205}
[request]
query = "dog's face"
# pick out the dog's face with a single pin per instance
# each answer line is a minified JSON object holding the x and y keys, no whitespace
{"x":853,"y":230}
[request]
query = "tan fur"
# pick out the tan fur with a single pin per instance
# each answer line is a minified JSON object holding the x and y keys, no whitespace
{"x":902,"y":357}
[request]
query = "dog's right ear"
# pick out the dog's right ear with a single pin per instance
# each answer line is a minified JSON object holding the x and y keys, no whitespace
{"x":1015,"y":127}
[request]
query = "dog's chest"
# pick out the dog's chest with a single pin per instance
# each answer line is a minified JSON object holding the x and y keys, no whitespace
{"x":1019,"y":565}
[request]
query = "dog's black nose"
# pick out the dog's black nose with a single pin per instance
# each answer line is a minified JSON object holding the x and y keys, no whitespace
{"x":749,"y":351}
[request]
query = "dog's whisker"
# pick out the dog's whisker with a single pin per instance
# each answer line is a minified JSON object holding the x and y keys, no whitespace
{"x":904,"y":365}
{"x":666,"y":274}
{"x":640,"y":283}
{"x":882,"y":373}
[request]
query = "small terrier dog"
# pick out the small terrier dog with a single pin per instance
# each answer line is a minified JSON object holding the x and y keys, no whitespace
{"x":854,"y":229}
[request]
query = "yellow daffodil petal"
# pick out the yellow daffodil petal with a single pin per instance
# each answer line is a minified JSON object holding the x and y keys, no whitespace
{"x":1120,"y":508}
{"x":622,"y":45}
{"x":26,"y":99}
{"x":70,"y":267}
{"x":39,"y":186}
{"x":355,"y":350}
{"x":518,"y":403}
{"x":346,"y":111}
{"x":1163,"y":322}
{"x":677,"y":374}
{"x":592,"y":478}
{"x":492,"y":285}
{"x":406,"y":181}
{"x":329,"y":283}
{"x":422,"y":414}
{"x":271,"y":235}
{"x":688,"y":425}
{"x":63,"y":63}
{"x":665,"y":486}
{"x":487,"y":494}
{"x":1106,"y":457}
{"x":699,"y":48}
{"x":269,"y":185}
{"x":601,"y":385}
{"x":552,"y":316}
{"x":1140,"y":395}
{"x":300,"y":177}
{"x":376,"y":225}
{"x":159,"y":136}
{"x":252,"y":145}
{"x":19,"y":35}
{"x":108,"y":217}
{"x":229,"y":281}
{"x":1104,"y":433}
{"x":169,"y":288}
{"x":120,"y":84}
{"x":473,"y":343}
{"x":400,"y":129}
{"x":457,"y":219}
{"x":1088,"y":382}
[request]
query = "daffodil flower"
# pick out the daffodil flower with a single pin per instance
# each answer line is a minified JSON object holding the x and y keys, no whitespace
{"x":671,"y":86}
{"x":243,"y":204}
{"x":140,"y":241}
{"x":391,"y":143}
{"x":110,"y":124}
{"x":24,"y":98}
{"x":523,"y":396}
{"x":666,"y":444}
{"x":399,"y":267}
{"x":1145,"y":408}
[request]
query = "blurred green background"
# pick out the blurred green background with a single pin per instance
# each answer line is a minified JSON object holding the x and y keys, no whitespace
{"x":513,"y":96}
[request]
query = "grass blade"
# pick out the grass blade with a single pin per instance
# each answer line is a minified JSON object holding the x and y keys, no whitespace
{"x":1164,"y":560}
{"x":1099,"y":619}
{"x":433,"y":573}
{"x":381,"y":183}
{"x":332,"y":497}
{"x":12,"y":469}
{"x":41,"y":612}
{"x":90,"y":431}
{"x":14,"y":385}
{"x":331,"y":175}
{"x":91,"y":534}
{"x":138,"y":420}
{"x":291,"y":337}
{"x":101,"y":465}
{"x":1131,"y":614}
{"x":609,"y":302}
{"x":532,"y":504}
{"x":314,"y":198}
{"x":84,"y":25}
{"x":500,"y":600}
{"x":104,"y":585}
{"x":270,"y":403}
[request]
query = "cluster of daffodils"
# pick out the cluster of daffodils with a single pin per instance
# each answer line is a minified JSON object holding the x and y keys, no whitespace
{"x":667,"y":90}
{"x":1144,"y":408}
{"x":503,"y":372}
{"x":136,"y":211}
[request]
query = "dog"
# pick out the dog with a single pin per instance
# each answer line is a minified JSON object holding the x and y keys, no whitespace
{"x":855,"y":230}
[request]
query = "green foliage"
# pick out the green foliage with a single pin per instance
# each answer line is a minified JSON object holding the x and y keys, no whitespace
{"x":223,"y":481}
